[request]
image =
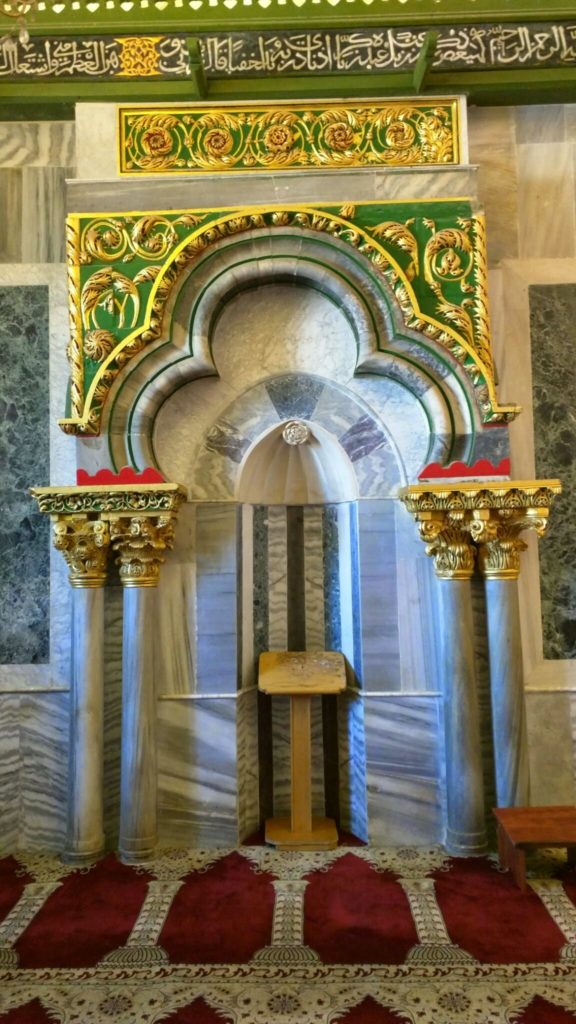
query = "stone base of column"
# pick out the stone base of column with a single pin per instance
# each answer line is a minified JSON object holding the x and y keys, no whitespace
{"x":140,"y":851}
{"x":76,"y":857}
{"x":465,"y":844}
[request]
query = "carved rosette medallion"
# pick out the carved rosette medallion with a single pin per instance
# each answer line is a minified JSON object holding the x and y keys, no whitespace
{"x":295,"y":432}
{"x":140,"y":543}
{"x":456,"y":521}
{"x":84,"y":544}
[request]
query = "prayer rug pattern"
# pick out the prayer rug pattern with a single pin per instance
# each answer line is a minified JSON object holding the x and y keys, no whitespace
{"x":357,"y":935}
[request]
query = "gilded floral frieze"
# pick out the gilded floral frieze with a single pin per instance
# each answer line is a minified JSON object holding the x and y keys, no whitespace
{"x":182,"y":140}
{"x":427,"y":257}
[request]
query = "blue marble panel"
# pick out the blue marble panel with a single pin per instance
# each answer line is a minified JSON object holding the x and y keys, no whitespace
{"x":44,"y":721}
{"x":332,"y":611}
{"x":379,"y":595}
{"x":9,"y":771}
{"x":362,"y":438}
{"x":24,"y":461}
{"x":294,"y":394}
{"x":402,"y":770}
{"x":355,"y":574}
{"x":197,"y":786}
{"x":225,"y":439}
{"x":260,"y":570}
{"x":553,"y":335}
{"x":492,"y":443}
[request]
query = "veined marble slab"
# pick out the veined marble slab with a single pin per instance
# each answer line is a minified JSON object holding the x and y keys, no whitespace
{"x":197,"y":771}
{"x":402,"y":769}
{"x":37,"y":143}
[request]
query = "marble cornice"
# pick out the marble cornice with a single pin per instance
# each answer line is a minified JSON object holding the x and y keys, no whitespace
{"x":479,"y":494}
{"x":109,"y":500}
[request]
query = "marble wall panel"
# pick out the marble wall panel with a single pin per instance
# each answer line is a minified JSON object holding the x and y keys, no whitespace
{"x":9,"y":772}
{"x":37,"y":143}
{"x":547,"y":226}
{"x":492,"y":140}
{"x":44,"y":770}
{"x":352,"y":764}
{"x":247,"y":766}
{"x":315,"y":593}
{"x":551,"y":747}
{"x":301,"y":320}
{"x":197,"y":783}
{"x":403,"y":770}
{"x":378,"y":596}
{"x":553,"y":333}
{"x":24,"y":459}
{"x":10,"y":208}
{"x":216,"y":598}
{"x":33,"y":214}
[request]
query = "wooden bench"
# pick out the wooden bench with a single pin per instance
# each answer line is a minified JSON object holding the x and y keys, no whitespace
{"x":520,"y":828}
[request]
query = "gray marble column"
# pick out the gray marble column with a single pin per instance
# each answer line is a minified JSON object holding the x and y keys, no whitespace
{"x":85,"y":829}
{"x":465,"y":816}
{"x":138,"y":774}
{"x":140,"y":543}
{"x":497,"y":532}
{"x":84,"y":544}
{"x":507,"y":693}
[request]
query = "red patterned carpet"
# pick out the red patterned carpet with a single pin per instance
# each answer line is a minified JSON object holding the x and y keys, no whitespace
{"x":252,"y":936}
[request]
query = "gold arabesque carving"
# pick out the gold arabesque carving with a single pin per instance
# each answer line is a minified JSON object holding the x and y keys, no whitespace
{"x":449,"y":257}
{"x":140,"y":543}
{"x":139,"y":56}
{"x":84,"y":543}
{"x":182,"y":140}
{"x":456,"y":520}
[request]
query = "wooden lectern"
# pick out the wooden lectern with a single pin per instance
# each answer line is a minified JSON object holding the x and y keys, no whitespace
{"x":301,"y":675}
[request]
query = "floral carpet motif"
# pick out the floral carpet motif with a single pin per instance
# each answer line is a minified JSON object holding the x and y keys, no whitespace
{"x":357,"y":935}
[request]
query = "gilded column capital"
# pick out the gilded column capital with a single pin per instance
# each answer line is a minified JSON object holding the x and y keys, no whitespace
{"x":137,"y":519}
{"x":85,"y":544}
{"x":497,"y":533}
{"x":448,"y":542}
{"x":140,"y":543}
{"x":487,"y":515}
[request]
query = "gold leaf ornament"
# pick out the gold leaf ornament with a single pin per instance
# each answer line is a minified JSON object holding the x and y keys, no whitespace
{"x":399,"y":234}
{"x":109,"y":290}
{"x":98,"y":344}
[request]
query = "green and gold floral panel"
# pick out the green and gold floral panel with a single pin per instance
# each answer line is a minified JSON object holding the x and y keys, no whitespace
{"x":429,"y":255}
{"x":182,"y":140}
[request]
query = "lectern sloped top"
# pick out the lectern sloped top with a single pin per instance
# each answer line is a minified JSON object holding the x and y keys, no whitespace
{"x":302,"y":672}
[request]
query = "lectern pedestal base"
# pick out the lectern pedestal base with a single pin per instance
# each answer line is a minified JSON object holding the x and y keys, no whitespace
{"x":322,"y":836}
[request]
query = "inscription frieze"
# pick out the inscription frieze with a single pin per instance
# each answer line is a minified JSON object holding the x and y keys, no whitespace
{"x":240,"y":54}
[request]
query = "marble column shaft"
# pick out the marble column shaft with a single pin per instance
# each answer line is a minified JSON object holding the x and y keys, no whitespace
{"x":465,"y":822}
{"x":507,"y":693}
{"x":138,"y":787}
{"x":85,"y":831}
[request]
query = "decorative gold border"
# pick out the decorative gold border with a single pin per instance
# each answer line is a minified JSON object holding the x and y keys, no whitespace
{"x":477,"y":364}
{"x":283,"y":136}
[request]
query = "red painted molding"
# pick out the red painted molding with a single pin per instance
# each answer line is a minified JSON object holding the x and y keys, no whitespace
{"x":126,"y":476}
{"x":457,"y":470}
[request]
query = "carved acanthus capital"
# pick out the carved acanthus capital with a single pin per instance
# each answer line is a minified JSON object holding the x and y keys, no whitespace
{"x":448,"y":542}
{"x":454,"y":519}
{"x":84,"y":543}
{"x":497,"y":534}
{"x":140,"y":543}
